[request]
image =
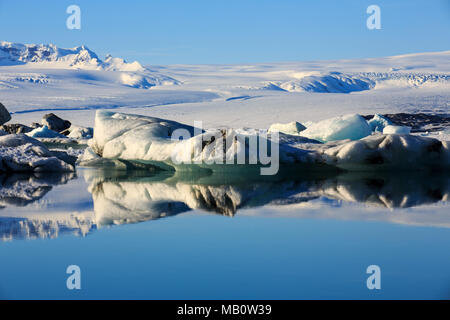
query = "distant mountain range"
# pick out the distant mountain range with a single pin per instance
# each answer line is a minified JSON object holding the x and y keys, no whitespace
{"x":79,"y":57}
{"x":49,"y":56}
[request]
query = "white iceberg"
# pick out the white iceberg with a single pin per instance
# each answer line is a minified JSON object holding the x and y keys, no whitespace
{"x":79,"y":132}
{"x":293,"y":128}
{"x":19,"y":152}
{"x":397,"y":130}
{"x":148,"y":140}
{"x":351,"y":126}
{"x":44,"y":132}
{"x":378,"y":123}
{"x":387,"y":152}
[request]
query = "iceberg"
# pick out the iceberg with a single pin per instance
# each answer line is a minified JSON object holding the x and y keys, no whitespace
{"x":388,"y":152}
{"x":397,"y":130}
{"x":79,"y":132}
{"x":293,"y":128}
{"x":44,"y":132}
{"x":378,"y":123}
{"x":20,"y":153}
{"x":351,"y":126}
{"x":146,"y":140}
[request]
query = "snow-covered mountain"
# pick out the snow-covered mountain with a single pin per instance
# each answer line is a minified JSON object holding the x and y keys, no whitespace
{"x":16,"y":53}
{"x":49,"y":56}
{"x":79,"y":57}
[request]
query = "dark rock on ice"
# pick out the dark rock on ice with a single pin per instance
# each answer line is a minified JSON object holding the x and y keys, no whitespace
{"x":4,"y":114}
{"x":15,"y":128}
{"x":55,"y":123}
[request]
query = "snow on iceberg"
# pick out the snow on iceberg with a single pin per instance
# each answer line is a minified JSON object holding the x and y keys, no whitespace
{"x":397,"y":130}
{"x":44,"y":132}
{"x":378,"y":123}
{"x":293,"y":128}
{"x":19,"y":153}
{"x":351,"y":126}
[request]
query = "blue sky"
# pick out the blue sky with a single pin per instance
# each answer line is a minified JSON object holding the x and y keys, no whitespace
{"x":245,"y":31}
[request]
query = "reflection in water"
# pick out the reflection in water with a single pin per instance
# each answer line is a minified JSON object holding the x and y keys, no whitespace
{"x":25,"y":190}
{"x":121,"y":197}
{"x":21,"y":189}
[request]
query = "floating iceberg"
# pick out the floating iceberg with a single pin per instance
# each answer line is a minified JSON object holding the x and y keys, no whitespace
{"x":397,"y":130}
{"x":19,"y":152}
{"x":378,"y":123}
{"x":388,"y":152}
{"x":79,"y":132}
{"x":44,"y":132}
{"x":147,"y":140}
{"x":351,"y":126}
{"x":293,"y":128}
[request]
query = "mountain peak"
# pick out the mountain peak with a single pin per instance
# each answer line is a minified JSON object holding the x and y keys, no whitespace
{"x":80,"y":57}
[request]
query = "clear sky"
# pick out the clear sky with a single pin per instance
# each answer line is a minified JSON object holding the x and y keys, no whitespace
{"x":231,"y":31}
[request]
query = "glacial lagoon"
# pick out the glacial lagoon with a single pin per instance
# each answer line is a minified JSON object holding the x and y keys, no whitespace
{"x":168,"y":235}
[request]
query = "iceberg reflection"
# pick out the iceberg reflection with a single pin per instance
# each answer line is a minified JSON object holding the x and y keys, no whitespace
{"x":119,"y":198}
{"x":133,"y":196}
{"x":21,"y":189}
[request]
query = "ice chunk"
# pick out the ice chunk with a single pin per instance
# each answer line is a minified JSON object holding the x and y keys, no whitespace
{"x":44,"y":132}
{"x":351,"y":126}
{"x":19,"y":152}
{"x":293,"y":128}
{"x":397,"y":130}
{"x":387,"y":152}
{"x":79,"y":132}
{"x":378,"y":123}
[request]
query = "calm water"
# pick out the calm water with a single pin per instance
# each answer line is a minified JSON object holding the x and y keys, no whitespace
{"x":165,"y":236}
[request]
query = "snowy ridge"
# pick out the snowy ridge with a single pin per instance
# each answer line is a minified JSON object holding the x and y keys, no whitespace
{"x":16,"y":53}
{"x":336,"y":82}
{"x":79,"y":58}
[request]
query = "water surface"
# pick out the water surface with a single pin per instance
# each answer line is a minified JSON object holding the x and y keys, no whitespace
{"x":190,"y":236}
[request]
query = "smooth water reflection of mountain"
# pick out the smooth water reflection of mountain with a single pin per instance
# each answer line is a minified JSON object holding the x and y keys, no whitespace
{"x":51,"y":205}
